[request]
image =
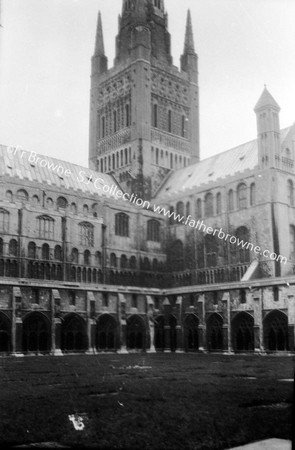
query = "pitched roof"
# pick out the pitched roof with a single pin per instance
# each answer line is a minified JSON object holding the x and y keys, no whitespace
{"x":209,"y":170}
{"x":57,"y":173}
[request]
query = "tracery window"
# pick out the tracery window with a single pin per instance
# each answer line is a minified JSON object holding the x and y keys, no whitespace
{"x":4,"y":221}
{"x":86,"y":234}
{"x":242,"y":196}
{"x":122,"y":224}
{"x":45,"y":226}
{"x":153,"y":230}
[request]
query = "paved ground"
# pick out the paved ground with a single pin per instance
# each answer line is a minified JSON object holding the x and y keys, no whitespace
{"x":269,"y":444}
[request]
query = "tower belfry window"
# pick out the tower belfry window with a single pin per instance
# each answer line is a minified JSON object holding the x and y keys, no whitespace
{"x":103,"y":127}
{"x":155,"y":118}
{"x":115,"y":121}
{"x":170,"y":121}
{"x":127,"y":114}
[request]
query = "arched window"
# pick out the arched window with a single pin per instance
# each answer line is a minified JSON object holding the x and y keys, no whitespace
{"x":155,"y":116}
{"x":1,"y":249}
{"x":155,"y":265}
{"x":199,"y":208}
{"x":122,"y":224}
{"x":35,"y":200}
{"x":61,"y":203}
{"x":153,"y":231}
{"x":178,"y":256}
{"x":32,"y":250}
{"x":45,"y":225}
{"x":86,"y":234}
{"x":230,"y":200}
{"x":211,"y":250}
{"x":132,"y":263}
{"x":103,"y":127}
{"x":127,"y":115}
{"x":170,"y":121}
{"x":87,"y":256}
{"x":242,"y":253}
{"x":292,"y":241}
{"x":157,"y":156}
{"x":218,"y":203}
{"x":98,"y":259}
{"x":188,"y":208}
{"x":74,"y":208}
{"x":171,"y":217}
{"x":22,"y":196}
{"x":9,"y":196}
{"x":4,"y":221}
{"x":242,"y":196}
{"x":126,"y":156}
{"x":75,"y":256}
{"x":113,"y":260}
{"x":146,"y":264}
{"x":124,"y":262}
{"x":290,"y":188}
{"x":58,"y":253}
{"x":85,"y":209}
{"x":252,"y":194}
{"x":183,"y":126}
{"x":180,"y":209}
{"x":45,"y":251}
{"x":209,"y":205}
{"x":115,"y":121}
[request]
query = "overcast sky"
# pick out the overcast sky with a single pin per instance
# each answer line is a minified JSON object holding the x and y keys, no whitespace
{"x":46,"y":46}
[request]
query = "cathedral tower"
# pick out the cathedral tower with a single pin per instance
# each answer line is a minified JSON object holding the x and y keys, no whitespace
{"x":144,"y":112}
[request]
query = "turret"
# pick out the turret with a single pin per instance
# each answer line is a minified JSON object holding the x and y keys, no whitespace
{"x":268,"y":129}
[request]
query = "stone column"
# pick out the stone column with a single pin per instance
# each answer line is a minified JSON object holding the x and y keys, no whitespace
{"x":55,"y":324}
{"x":202,"y":324}
{"x":122,"y":323}
{"x":16,"y":323}
{"x":167,"y":329}
{"x":91,"y":324}
{"x":179,"y":337}
{"x":258,"y":321}
{"x":227,"y":326}
{"x":179,"y":333}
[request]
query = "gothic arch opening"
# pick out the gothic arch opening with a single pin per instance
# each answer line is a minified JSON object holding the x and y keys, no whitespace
{"x":136,"y":333}
{"x":5,"y":334}
{"x":36,"y":333}
{"x":106,"y":333}
{"x":191,"y":337}
{"x":214,"y":332}
{"x":276,"y":331}
{"x":73,"y":333}
{"x":243,"y":332}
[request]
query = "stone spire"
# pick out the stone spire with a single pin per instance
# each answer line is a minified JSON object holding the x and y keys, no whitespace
{"x":189,"y":47}
{"x":265,"y":100}
{"x":99,"y":45}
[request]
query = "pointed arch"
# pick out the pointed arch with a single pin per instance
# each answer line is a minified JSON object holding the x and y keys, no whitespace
{"x":36,"y":333}
{"x":214,"y":332}
{"x":106,"y":333}
{"x":275,"y":327}
{"x":136,"y":333}
{"x":190,"y":328}
{"x":74,"y":335}
{"x":243,"y":332}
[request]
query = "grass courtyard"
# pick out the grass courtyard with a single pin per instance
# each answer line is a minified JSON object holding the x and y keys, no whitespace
{"x":146,"y":401}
